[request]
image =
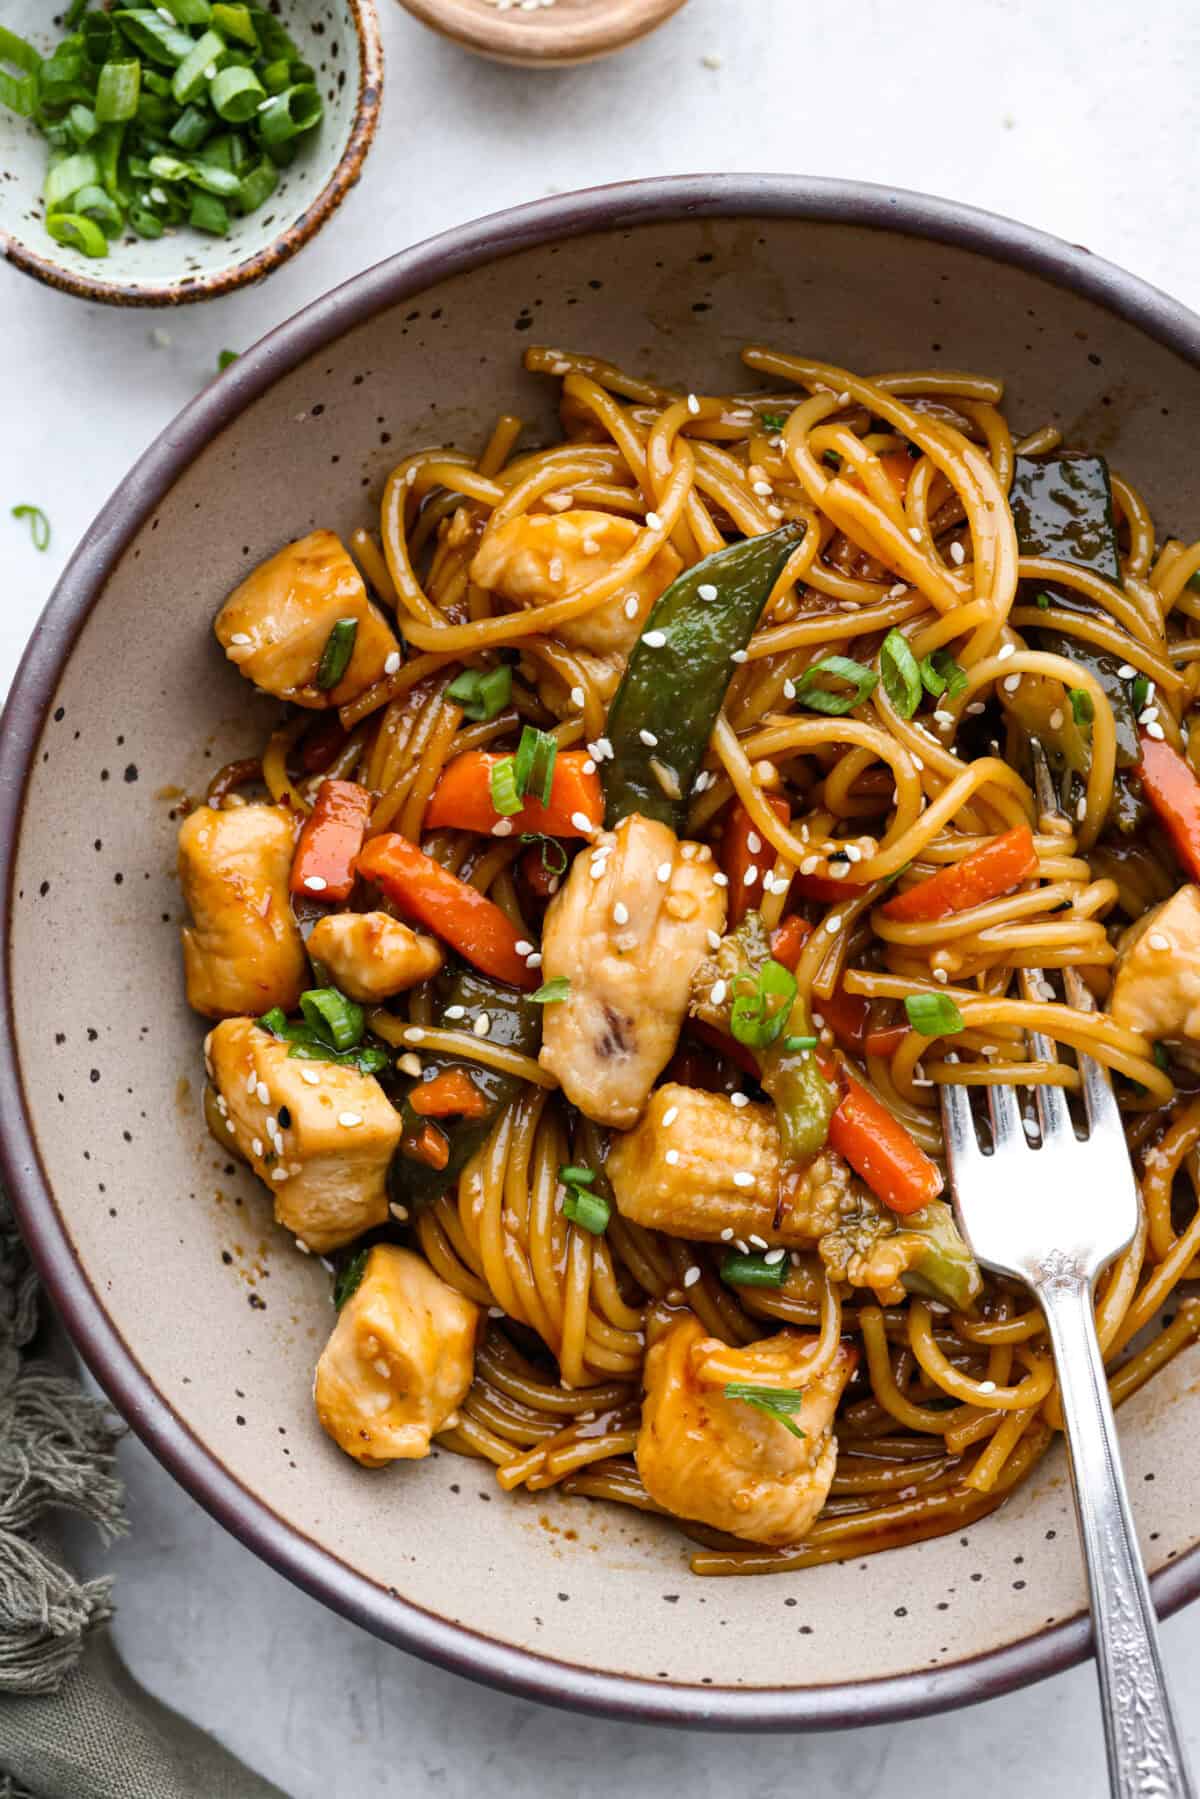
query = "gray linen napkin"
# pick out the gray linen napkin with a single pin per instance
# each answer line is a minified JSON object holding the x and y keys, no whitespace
{"x":74,"y":1724}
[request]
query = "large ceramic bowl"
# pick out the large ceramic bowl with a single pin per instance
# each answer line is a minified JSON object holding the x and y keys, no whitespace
{"x":198,"y":1317}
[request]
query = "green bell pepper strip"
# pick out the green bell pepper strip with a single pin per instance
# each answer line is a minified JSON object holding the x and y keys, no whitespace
{"x":516,"y":1024}
{"x":1062,"y":508}
{"x":680,"y":668}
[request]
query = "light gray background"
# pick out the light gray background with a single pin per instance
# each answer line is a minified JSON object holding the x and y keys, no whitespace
{"x":1078,"y":116}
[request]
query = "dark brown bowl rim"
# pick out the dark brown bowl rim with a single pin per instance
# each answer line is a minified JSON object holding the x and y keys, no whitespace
{"x":311,"y":1567}
{"x":286,"y":242}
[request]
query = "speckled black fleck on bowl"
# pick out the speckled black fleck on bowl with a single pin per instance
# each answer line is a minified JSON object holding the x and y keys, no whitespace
{"x":340,"y":38}
{"x":199,"y":1318}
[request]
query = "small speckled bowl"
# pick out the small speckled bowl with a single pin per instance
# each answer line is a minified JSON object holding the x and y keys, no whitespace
{"x":196,"y":1314}
{"x":340,"y":38}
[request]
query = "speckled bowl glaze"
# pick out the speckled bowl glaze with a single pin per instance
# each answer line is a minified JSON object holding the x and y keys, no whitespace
{"x":195,"y":1313}
{"x":340,"y":38}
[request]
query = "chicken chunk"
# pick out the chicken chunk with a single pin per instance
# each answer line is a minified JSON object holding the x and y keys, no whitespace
{"x":275,"y":626}
{"x":243,"y":952}
{"x":399,"y":1362}
{"x":626,"y":931}
{"x":371,"y":955}
{"x":1156,"y":986}
{"x":725,"y":1174}
{"x":730,"y":1464}
{"x":320,"y":1134}
{"x":541,"y":556}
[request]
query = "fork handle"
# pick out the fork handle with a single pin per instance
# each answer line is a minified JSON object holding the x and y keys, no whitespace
{"x":1145,"y":1756}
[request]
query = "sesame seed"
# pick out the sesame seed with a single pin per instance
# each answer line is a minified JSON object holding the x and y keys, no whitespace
{"x":1029,"y":1126}
{"x":898,"y":590}
{"x":482,"y":1025}
{"x":727,"y":1233}
{"x":914,"y":533}
{"x":720,"y":880}
{"x":578,"y":696}
{"x":758,"y":1242}
{"x":600,"y":749}
{"x":1127,"y":671}
{"x":654,"y":640}
{"x":349,"y":1119}
{"x":917,"y":762}
{"x":975,"y":708}
{"x":718,"y":991}
{"x":810,"y":865}
{"x":620,"y":913}
{"x":753,"y":842}
{"x":692,"y":1276}
{"x":750,"y":876}
{"x":662,"y":873}
{"x":534,"y":961}
{"x":776,"y":512}
{"x":316,"y":883}
{"x":706,"y":591}
{"x":239,"y":637}
{"x":833,"y":924}
{"x":583,"y":823}
{"x":714,"y":939}
{"x":987,"y":1386}
{"x":669,"y":1117}
{"x":461,"y":1011}
{"x":631,"y":606}
{"x":310,"y":1077}
{"x":939,"y":974}
{"x":391,"y":662}
{"x":1056,"y":719}
{"x":672,"y":1156}
{"x":503,"y":827}
{"x":280,"y":1174}
{"x":739,"y":656}
{"x":1148,"y":716}
{"x":1081,"y":807}
{"x":263,"y":1092}
{"x":1005,"y":651}
{"x":742,"y":1246}
{"x":409,"y":1064}
{"x":522,"y":947}
{"x":256,"y":1145}
{"x":945,"y":719}
{"x":957,"y":554}
{"x":589,"y":767}
{"x":743,"y":1178}
{"x":1011,"y":683}
{"x":1155,"y":730}
{"x":649,"y":739}
{"x":774,"y":1256}
{"x":654,"y":521}
{"x":414,"y":1034}
{"x":839,"y":870}
{"x":789,"y":690}
{"x":693,"y":404}
{"x":761,"y":487}
{"x":1156,"y":940}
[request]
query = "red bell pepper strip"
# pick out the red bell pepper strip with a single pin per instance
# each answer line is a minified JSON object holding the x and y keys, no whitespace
{"x":454,"y":910}
{"x":1174,"y":792}
{"x":878,"y":1147}
{"x":450,"y":1094}
{"x":983,"y":875}
{"x":462,"y":799}
{"x":848,"y":1015}
{"x":739,"y":856}
{"x":323,"y":865}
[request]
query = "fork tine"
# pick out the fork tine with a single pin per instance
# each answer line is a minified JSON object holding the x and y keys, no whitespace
{"x":1102,"y":1110}
{"x":1005,"y":1117}
{"x":1053,"y":1116}
{"x":958,"y":1128}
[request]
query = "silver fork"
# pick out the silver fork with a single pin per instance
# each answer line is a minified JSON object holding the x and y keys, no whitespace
{"x":1054,"y":1216}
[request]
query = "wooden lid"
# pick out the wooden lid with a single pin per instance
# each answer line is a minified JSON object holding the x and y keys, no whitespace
{"x":543,"y":33}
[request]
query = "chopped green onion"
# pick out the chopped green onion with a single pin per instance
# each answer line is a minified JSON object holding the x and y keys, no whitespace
{"x":224,"y":358}
{"x":214,"y":179}
{"x":94,"y":203}
{"x":795,"y":1044}
{"x":190,"y":128}
{"x":1161,"y":1058}
{"x":145,"y":222}
{"x":19,"y":66}
{"x":196,"y":70}
{"x":335,"y":657}
{"x":933,"y":1014}
{"x":77,"y":233}
{"x":482,"y":694}
{"x":777,"y":1402}
{"x":276,"y":76}
{"x":39,"y":525}
{"x":534,"y":763}
{"x":349,"y":1278}
{"x":590,"y":1211}
{"x":758,"y":1016}
{"x":101,"y":39}
{"x":831,"y":459}
{"x":117,"y":91}
{"x":235,"y":94}
{"x":900,"y":673}
{"x":189,"y":12}
{"x":81,"y":122}
{"x":554,"y":856}
{"x":552,"y":993}
{"x":272,"y":37}
{"x":1139,"y":692}
{"x":66,"y":176}
{"x":753,"y":1271}
{"x":275,"y":1021}
{"x":207,"y":213}
{"x":1082,"y":708}
{"x":295,"y":110}
{"x":941,"y":674}
{"x":829,"y":700}
{"x":148,"y":32}
{"x":773,"y":421}
{"x":235,"y":22}
{"x":332,"y":1016}
{"x":1044,"y":602}
{"x":257,"y":186}
{"x":505,"y":798}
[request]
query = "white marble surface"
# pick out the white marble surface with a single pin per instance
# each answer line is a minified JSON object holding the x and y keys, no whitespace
{"x":1075,"y":117}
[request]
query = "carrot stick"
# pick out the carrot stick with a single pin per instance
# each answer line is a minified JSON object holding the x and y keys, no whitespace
{"x":983,"y":875}
{"x":878,"y":1147}
{"x":744,"y":853}
{"x":451,"y":1093}
{"x":454,"y":910}
{"x":789,"y":940}
{"x":323,"y":865}
{"x":1174,"y":792}
{"x":462,"y":799}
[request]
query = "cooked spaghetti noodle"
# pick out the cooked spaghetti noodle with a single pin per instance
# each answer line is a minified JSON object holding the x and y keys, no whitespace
{"x":949,"y":610}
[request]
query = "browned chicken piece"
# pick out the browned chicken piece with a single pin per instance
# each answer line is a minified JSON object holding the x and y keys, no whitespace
{"x":243,"y":951}
{"x":626,"y":931}
{"x":320,"y":1134}
{"x":725,"y":1462}
{"x":399,"y":1362}
{"x":371,"y":955}
{"x":698,"y":1166}
{"x":1156,"y":985}
{"x":275,"y":626}
{"x":543,"y":556}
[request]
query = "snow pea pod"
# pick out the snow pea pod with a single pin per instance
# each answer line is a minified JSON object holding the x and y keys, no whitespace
{"x":1062,"y":507}
{"x":663,"y":712}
